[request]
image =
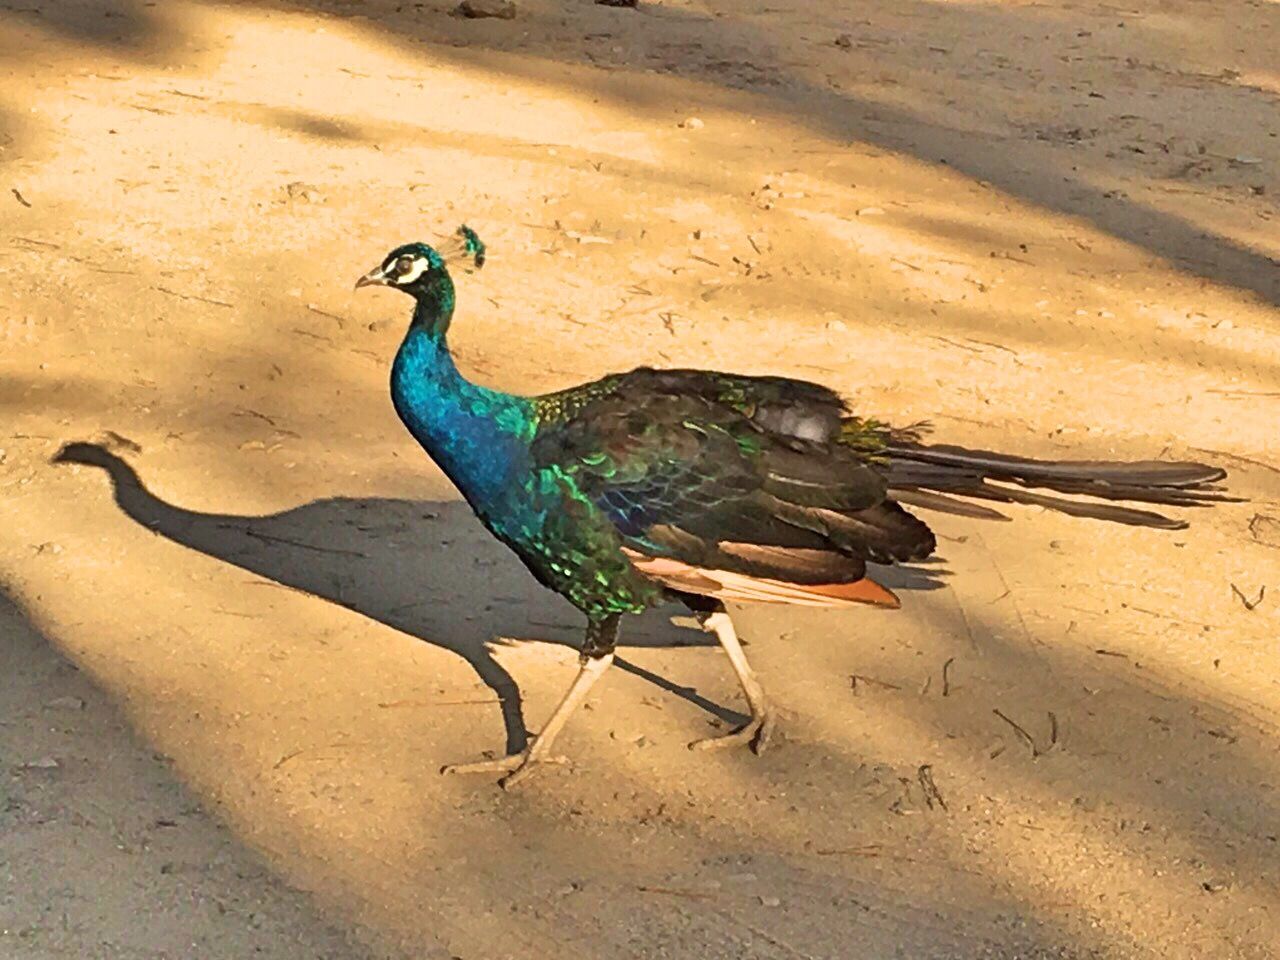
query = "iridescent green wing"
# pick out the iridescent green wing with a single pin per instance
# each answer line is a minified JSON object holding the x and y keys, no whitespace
{"x":730,"y":472}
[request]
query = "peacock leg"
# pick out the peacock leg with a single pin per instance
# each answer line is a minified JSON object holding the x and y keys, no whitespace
{"x":597,"y":656}
{"x":759,"y":728}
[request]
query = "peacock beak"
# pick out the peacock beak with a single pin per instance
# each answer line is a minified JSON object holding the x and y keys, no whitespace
{"x":374,"y":277}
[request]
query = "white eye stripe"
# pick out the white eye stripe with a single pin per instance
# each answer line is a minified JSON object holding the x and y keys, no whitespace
{"x":418,"y":267}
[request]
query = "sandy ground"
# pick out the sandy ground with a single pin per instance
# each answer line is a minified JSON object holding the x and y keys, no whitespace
{"x":103,"y":853}
{"x":1050,"y":227}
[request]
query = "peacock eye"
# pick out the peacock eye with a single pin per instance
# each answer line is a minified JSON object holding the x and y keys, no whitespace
{"x":403,"y":266}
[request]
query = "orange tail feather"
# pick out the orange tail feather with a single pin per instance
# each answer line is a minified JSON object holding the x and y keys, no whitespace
{"x":738,"y":587}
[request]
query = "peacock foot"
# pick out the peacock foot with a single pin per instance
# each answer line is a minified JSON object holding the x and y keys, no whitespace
{"x":538,"y":751}
{"x":517,"y":766}
{"x":755,"y":732}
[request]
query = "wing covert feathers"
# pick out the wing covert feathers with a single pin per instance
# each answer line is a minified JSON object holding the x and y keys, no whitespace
{"x":728,"y":473}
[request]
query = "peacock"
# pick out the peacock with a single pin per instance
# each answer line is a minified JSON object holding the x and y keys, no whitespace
{"x":709,"y":488}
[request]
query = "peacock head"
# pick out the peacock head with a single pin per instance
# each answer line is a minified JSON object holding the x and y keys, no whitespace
{"x":416,"y":268}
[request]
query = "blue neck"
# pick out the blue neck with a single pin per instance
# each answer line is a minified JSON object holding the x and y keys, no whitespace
{"x":478,"y":436}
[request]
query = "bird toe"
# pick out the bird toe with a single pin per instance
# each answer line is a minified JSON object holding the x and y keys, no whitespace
{"x":756,"y":733}
{"x":496,"y":765}
{"x":517,"y":766}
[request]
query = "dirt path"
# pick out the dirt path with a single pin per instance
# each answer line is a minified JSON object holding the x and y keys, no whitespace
{"x":104,"y":855}
{"x":1042,"y":226}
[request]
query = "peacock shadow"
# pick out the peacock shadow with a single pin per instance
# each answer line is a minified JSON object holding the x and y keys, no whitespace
{"x":425,"y":568}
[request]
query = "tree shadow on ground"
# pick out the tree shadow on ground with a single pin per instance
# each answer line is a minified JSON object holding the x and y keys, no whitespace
{"x":95,"y":832}
{"x":752,"y":60}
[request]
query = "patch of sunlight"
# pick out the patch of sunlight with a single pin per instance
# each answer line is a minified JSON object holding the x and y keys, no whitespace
{"x":400,"y":89}
{"x":1261,"y":79}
